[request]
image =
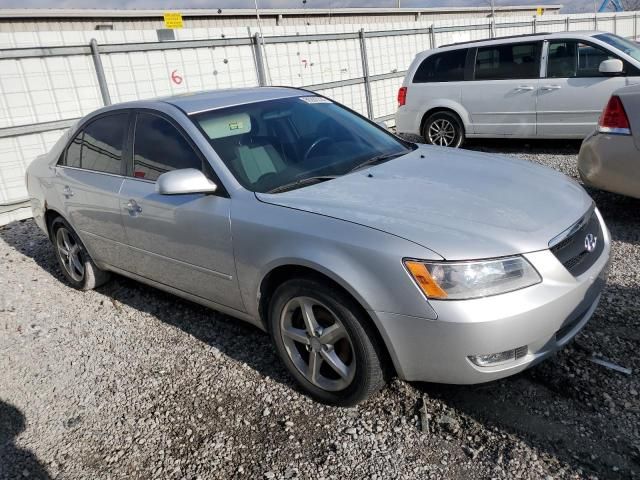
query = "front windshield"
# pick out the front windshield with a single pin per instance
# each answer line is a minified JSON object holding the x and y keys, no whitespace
{"x":627,"y":46}
{"x":292,"y":142}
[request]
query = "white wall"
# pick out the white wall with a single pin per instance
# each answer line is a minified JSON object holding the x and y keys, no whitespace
{"x":35,"y":90}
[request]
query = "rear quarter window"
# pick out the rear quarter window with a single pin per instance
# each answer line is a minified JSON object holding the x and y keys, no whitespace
{"x":442,"y":67}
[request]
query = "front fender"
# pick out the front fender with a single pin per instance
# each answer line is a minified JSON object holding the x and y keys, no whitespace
{"x":365,"y":262}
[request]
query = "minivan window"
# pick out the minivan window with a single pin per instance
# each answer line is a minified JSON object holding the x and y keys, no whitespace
{"x":159,"y":147}
{"x":570,"y":58}
{"x":98,"y":147}
{"x":509,"y":61}
{"x":627,"y":46}
{"x":442,"y":67}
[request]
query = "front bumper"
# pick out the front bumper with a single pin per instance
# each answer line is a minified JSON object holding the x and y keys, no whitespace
{"x":544,"y":317}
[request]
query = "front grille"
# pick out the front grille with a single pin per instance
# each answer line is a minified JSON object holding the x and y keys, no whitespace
{"x":572,"y":251}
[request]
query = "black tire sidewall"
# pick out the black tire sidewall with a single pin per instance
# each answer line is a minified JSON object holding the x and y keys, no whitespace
{"x":366,"y":354}
{"x":453,"y":118}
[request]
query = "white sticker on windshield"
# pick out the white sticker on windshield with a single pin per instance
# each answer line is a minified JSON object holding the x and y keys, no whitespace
{"x":314,"y":99}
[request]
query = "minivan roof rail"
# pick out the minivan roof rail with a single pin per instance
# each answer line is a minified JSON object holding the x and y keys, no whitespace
{"x":525,"y":35}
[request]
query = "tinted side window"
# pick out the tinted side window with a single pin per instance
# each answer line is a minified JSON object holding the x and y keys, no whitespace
{"x":442,"y":67}
{"x":159,"y":147}
{"x":103,"y":143}
{"x":568,"y":59}
{"x":72,"y":157}
{"x":512,"y":61}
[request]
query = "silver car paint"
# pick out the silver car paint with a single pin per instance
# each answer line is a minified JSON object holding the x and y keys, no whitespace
{"x":220,"y":249}
{"x":521,"y":108}
{"x":497,"y":206}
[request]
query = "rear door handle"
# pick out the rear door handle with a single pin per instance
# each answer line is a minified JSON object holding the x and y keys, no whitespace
{"x":551,"y":87}
{"x":524,"y":87}
{"x":133,"y":208}
{"x":67,"y":192}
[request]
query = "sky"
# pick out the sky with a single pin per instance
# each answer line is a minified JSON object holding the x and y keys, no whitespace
{"x":570,"y":5}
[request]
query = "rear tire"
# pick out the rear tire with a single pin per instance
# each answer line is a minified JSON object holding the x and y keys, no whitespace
{"x":77,"y":266}
{"x":443,"y":129}
{"x":331,"y":351}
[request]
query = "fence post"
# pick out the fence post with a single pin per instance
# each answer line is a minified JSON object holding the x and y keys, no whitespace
{"x":365,"y":73}
{"x":635,"y":27}
{"x":432,"y":36}
{"x":535,"y":25}
{"x":258,"y":54}
{"x":102,"y":80}
{"x":595,"y":21}
{"x":566,"y":23}
{"x":615,"y":23}
{"x":492,"y":28}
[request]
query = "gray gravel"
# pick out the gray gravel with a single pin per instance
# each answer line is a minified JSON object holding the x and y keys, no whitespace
{"x":129,"y":382}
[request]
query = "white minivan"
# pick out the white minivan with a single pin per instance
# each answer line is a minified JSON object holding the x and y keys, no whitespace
{"x":550,"y":85}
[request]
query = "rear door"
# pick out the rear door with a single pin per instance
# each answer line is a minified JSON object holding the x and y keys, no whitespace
{"x":573,"y":92}
{"x":501,"y":96}
{"x":88,"y":179}
{"x":183,"y":241}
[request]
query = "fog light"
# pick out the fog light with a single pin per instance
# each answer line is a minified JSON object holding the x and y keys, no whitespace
{"x":493,"y":359}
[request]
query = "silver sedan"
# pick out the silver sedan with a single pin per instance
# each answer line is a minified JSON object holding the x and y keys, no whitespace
{"x":363,"y":255}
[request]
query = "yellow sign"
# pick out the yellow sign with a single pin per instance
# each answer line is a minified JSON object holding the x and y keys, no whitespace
{"x":173,"y":20}
{"x":539,"y":11}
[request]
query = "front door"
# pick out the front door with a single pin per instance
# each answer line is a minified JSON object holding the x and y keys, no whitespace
{"x":573,"y":92}
{"x":183,"y":241}
{"x":501,"y":97}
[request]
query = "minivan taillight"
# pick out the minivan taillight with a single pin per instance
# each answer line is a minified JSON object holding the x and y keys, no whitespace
{"x":614,"y":119}
{"x":402,"y":96}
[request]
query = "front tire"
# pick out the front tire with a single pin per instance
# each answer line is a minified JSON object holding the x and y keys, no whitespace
{"x":443,"y":129}
{"x":325,"y":342}
{"x":74,"y":260}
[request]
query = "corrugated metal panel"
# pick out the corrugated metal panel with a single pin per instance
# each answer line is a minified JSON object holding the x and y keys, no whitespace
{"x":34,"y":90}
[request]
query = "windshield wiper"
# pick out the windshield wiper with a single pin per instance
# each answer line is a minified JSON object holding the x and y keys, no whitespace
{"x":377,"y":159}
{"x":301,"y":183}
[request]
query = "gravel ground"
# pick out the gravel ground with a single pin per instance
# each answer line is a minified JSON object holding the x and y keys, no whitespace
{"x":129,"y":382}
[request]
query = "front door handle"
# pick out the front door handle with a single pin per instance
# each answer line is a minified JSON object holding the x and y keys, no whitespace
{"x":67,"y":192}
{"x":524,"y":87}
{"x":133,"y":208}
{"x":551,"y":87}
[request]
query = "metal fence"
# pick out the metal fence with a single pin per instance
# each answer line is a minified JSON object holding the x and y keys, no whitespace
{"x":45,"y":89}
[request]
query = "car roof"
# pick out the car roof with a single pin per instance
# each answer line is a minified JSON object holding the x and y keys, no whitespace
{"x":196,"y":102}
{"x":514,"y":38}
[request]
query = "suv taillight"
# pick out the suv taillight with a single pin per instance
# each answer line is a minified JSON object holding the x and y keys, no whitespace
{"x":402,"y":96}
{"x":614,"y":119}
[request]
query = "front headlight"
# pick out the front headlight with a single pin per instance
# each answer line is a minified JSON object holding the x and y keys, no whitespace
{"x":473,"y":279}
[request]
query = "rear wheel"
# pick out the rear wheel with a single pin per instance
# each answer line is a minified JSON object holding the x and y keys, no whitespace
{"x":73,"y":258}
{"x":443,"y":129}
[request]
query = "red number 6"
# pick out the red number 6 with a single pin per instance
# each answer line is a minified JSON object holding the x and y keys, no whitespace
{"x":177,"y":79}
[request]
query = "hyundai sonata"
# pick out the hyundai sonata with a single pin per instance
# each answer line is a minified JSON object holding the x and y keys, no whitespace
{"x":363,"y":255}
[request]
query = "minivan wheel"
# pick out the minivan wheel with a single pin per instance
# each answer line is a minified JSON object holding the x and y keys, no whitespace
{"x":74,"y":260}
{"x":324,"y":342}
{"x":443,"y":129}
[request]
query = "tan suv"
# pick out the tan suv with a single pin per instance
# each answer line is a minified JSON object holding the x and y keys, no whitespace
{"x":610,"y":157}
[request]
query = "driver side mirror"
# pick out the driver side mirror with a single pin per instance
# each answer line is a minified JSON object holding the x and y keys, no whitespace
{"x":612,"y":66}
{"x":184,"y":181}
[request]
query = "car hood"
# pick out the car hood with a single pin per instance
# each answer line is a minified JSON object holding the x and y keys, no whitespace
{"x":459,"y":204}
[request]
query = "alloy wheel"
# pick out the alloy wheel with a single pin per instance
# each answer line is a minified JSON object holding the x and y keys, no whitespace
{"x":442,"y":132}
{"x":317,"y":343}
{"x":70,"y":254}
